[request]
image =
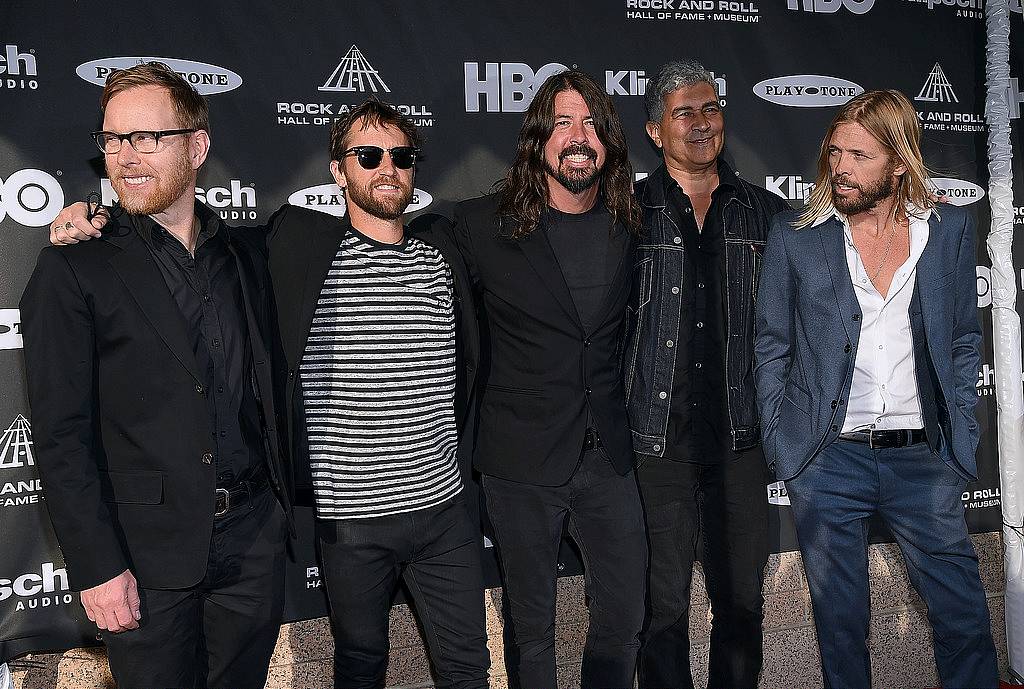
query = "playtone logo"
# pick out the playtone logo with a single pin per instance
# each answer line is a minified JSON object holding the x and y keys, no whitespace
{"x":958,"y":192}
{"x":807,"y":90}
{"x":31,"y":197}
{"x":17,"y":69}
{"x":831,"y":6}
{"x":504,"y":86}
{"x":328,"y":198}
{"x":206,"y":78}
{"x":10,"y":329}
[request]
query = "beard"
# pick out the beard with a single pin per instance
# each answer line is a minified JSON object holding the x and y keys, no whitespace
{"x":575,"y":180}
{"x":170,"y":186}
{"x":868,"y":197}
{"x":390,"y":208}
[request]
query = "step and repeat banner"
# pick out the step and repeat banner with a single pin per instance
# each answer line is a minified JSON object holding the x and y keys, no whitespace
{"x":464,"y":71}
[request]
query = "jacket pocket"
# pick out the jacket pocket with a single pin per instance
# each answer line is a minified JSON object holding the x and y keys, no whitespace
{"x":132,"y":488}
{"x":798,"y":397}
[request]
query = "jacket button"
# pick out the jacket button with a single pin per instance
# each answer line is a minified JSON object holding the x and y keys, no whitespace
{"x":207,"y":457}
{"x":835,"y":428}
{"x":856,"y":316}
{"x":587,"y":390}
{"x":291,"y":374}
{"x":669,"y":343}
{"x":586,"y":343}
{"x":835,"y":403}
{"x":657,"y":448}
{"x":663,"y":395}
{"x":847,"y":348}
{"x":199,"y":388}
{"x":677,"y":240}
{"x":675,"y":290}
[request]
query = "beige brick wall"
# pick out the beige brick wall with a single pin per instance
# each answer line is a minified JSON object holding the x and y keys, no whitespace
{"x":900,"y":635}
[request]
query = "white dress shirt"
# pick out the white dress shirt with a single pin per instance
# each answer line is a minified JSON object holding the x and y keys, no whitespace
{"x":884,"y":395}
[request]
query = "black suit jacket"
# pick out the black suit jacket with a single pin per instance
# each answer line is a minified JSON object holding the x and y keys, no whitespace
{"x":120,"y":423}
{"x":540,"y":368}
{"x":302,"y":245}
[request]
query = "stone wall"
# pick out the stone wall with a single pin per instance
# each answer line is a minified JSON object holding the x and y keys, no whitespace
{"x":900,"y":635}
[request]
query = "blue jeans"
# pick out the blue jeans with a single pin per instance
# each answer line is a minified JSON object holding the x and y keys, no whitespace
{"x":604,"y":517}
{"x":436,"y":551}
{"x":918,"y":497}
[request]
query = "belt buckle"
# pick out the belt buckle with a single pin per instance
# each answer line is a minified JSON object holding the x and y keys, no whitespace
{"x":227,"y":501}
{"x":871,"y":439}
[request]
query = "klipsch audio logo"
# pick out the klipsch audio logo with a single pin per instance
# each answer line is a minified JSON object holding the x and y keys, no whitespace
{"x":18,"y":69}
{"x":48,"y":587}
{"x":10,"y":329}
{"x":965,"y":9}
{"x":206,"y":78}
{"x":633,"y":82}
{"x":693,"y":10}
{"x":30,"y":197}
{"x":504,"y":86}
{"x":789,"y":187}
{"x":938,"y":89}
{"x":232,"y":202}
{"x":831,"y":6}
{"x":777,"y":494}
{"x":328,"y":198}
{"x":807,"y":90}
{"x":352,"y":78}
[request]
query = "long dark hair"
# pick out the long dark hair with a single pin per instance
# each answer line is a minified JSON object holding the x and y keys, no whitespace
{"x":523,"y":194}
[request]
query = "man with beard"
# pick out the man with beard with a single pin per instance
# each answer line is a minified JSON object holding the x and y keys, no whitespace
{"x":866,"y":361}
{"x":150,"y":380}
{"x":550,"y":256}
{"x":691,"y":398}
{"x":380,"y":349}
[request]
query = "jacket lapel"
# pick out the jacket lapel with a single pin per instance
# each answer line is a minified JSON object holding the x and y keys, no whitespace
{"x":833,"y":245}
{"x":135,"y":266}
{"x":541,"y":257}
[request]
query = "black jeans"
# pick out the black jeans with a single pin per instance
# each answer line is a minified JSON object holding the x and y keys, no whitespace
{"x":436,"y":551}
{"x":606,"y":522}
{"x":725,"y":504}
{"x":221,"y":632}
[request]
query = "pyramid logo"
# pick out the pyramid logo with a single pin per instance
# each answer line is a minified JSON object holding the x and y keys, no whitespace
{"x":354,"y":73}
{"x":937,"y":88}
{"x":16,"y":445}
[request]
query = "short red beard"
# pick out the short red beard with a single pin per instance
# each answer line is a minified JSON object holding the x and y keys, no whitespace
{"x":169,"y":188}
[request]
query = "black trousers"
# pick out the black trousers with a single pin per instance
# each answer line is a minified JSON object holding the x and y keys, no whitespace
{"x":606,"y":522}
{"x":724,"y":505}
{"x":221,"y":632}
{"x":436,"y":551}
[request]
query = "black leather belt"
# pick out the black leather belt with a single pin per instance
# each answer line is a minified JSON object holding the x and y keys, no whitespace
{"x":241,"y":493}
{"x":878,"y":440}
{"x":591,"y":440}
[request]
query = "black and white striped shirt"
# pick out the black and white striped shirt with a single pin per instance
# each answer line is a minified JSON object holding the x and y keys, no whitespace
{"x":378,"y":381}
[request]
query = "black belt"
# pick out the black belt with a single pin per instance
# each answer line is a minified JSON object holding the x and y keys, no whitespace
{"x":878,"y":440}
{"x":591,"y":440}
{"x":241,"y":493}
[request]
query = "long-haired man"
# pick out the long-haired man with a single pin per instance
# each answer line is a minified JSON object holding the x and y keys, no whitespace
{"x":866,"y":360}
{"x":550,"y":255}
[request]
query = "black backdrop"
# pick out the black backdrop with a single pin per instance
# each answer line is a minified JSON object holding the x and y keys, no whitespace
{"x":464,"y":71}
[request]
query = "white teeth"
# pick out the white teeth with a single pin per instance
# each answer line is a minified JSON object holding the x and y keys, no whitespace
{"x":578,"y":158}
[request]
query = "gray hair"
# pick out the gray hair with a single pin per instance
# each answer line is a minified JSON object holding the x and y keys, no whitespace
{"x":674,"y":75}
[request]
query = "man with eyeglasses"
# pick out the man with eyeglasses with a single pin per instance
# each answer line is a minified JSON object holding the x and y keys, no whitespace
{"x":380,"y":349}
{"x":152,"y":405}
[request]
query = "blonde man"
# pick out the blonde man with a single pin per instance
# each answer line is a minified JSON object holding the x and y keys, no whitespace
{"x":866,"y":359}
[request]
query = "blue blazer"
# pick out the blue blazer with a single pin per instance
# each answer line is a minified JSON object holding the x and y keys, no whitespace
{"x":808,"y":326}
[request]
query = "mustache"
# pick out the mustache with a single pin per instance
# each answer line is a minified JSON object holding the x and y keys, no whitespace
{"x":845,"y":181}
{"x":577,"y":149}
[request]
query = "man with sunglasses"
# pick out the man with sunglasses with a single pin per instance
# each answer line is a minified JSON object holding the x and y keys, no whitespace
{"x":380,"y":349}
{"x":149,"y":380}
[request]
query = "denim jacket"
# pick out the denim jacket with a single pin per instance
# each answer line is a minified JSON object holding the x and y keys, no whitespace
{"x":653,"y":311}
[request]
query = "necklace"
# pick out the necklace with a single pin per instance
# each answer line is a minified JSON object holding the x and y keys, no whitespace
{"x":888,"y":248}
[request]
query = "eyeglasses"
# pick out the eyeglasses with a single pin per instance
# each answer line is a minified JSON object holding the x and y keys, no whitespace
{"x":142,"y":142}
{"x":369,"y":157}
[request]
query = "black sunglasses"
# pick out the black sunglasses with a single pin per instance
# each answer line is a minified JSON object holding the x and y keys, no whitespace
{"x":369,"y":157}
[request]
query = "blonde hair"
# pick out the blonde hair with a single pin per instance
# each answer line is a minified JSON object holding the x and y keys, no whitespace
{"x":189,"y":107}
{"x":891,"y":119}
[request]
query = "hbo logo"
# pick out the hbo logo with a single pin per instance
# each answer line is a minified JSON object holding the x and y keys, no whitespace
{"x":31,"y":197}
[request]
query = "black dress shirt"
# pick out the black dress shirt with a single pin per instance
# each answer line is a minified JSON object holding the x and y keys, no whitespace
{"x":698,"y":422}
{"x":208,"y":292}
